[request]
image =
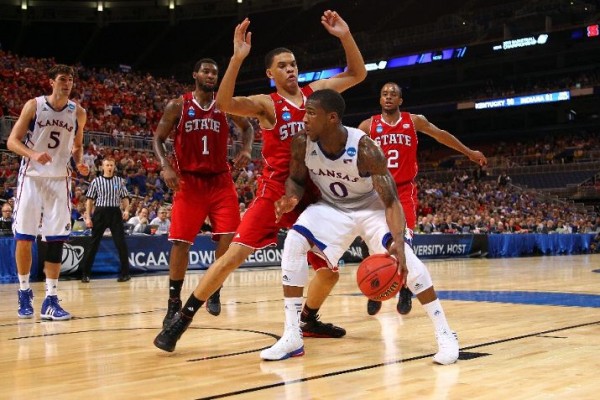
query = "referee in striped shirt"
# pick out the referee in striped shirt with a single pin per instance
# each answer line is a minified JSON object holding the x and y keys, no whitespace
{"x":108,"y":193}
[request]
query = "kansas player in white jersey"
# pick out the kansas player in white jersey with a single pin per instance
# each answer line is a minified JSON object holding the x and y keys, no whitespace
{"x":359,"y":198}
{"x":47,"y":134}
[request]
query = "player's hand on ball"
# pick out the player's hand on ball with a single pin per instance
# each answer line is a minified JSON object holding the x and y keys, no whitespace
{"x":397,"y":251}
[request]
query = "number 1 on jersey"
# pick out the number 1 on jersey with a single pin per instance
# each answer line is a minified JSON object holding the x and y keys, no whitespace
{"x":205,"y":142}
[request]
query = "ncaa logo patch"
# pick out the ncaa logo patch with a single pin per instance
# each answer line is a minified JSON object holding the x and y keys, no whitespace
{"x":379,"y":129}
{"x":71,"y":106}
{"x":286,"y":116}
{"x":351,"y":151}
{"x":406,"y":126}
{"x":191,"y":112}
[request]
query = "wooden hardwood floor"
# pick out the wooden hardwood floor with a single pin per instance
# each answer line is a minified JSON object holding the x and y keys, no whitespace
{"x":529,"y":328}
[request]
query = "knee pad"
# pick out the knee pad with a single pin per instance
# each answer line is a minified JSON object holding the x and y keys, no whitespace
{"x":54,"y":252}
{"x":418,"y":278}
{"x":294,"y":267}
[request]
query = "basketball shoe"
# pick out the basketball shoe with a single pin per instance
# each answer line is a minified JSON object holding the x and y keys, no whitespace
{"x":315,"y":328}
{"x":173,"y":307}
{"x":52,"y":311}
{"x":373,"y":307}
{"x":213,"y":304}
{"x":25,"y":306}
{"x":289,"y":345}
{"x":168,"y":337}
{"x":404,"y":301}
{"x":447,"y":347}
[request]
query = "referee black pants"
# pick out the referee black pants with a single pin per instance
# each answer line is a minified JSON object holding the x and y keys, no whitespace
{"x":112,"y":218}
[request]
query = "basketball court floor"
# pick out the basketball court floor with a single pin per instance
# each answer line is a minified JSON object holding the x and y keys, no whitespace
{"x":529,"y":328}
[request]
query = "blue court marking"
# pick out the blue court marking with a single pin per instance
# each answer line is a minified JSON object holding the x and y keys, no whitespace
{"x":536,"y":298}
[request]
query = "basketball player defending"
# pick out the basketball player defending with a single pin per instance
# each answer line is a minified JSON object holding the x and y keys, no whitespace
{"x":280,"y":115}
{"x":358,"y":198}
{"x":396,"y":133}
{"x":53,"y":128}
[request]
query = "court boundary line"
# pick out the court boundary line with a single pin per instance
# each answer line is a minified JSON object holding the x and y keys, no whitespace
{"x":378,"y":365}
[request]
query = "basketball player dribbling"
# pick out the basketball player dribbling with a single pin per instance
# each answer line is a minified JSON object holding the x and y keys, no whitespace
{"x":358,"y":199}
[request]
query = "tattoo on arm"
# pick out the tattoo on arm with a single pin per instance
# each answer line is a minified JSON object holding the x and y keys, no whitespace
{"x":372,"y":161}
{"x":386,"y":188}
{"x":298,"y":171}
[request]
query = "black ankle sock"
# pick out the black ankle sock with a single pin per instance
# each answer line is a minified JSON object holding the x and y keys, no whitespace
{"x":175,"y":288}
{"x":192,"y":305}
{"x":308,"y":313}
{"x":217,"y":292}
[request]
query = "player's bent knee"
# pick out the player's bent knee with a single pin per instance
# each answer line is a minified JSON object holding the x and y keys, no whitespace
{"x":294,"y":266}
{"x":418,"y":279}
{"x":54,"y":252}
{"x":327,"y":276}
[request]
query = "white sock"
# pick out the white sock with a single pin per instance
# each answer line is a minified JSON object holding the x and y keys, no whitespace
{"x":24,"y":282}
{"x":51,"y":285}
{"x":437,"y":316}
{"x":293,"y":308}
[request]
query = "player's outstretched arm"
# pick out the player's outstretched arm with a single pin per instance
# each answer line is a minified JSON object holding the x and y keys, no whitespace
{"x":356,"y":71}
{"x":252,"y":106}
{"x":422,"y":124}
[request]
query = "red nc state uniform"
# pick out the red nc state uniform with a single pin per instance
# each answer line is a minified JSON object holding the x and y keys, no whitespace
{"x":399,"y":144}
{"x":258,"y":228}
{"x":206,"y":187}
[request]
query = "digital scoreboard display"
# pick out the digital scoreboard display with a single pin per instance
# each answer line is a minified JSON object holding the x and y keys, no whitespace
{"x":523,"y":100}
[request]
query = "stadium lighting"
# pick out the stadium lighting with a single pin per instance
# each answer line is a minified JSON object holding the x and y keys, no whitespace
{"x":240,"y":1}
{"x":171,"y":4}
{"x":100,"y":6}
{"x":23,"y":4}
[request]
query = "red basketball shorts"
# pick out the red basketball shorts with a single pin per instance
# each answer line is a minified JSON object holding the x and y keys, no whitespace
{"x":407,"y":194}
{"x":198,"y":197}
{"x":258,"y":228}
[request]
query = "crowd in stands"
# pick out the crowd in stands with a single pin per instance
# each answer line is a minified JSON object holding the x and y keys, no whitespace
{"x":130,"y":104}
{"x":495,"y":206}
{"x":122,"y":104}
{"x":565,"y":148}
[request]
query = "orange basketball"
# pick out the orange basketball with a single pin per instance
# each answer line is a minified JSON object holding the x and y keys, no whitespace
{"x":378,"y":277}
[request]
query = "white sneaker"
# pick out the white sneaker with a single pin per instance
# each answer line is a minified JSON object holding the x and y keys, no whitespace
{"x":447,"y":348}
{"x":291,"y":344}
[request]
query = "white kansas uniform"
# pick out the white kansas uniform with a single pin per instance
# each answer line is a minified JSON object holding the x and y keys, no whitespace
{"x":349,"y":207}
{"x":45,"y":189}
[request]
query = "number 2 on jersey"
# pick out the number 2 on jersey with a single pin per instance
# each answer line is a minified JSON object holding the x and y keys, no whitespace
{"x":392,"y":157}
